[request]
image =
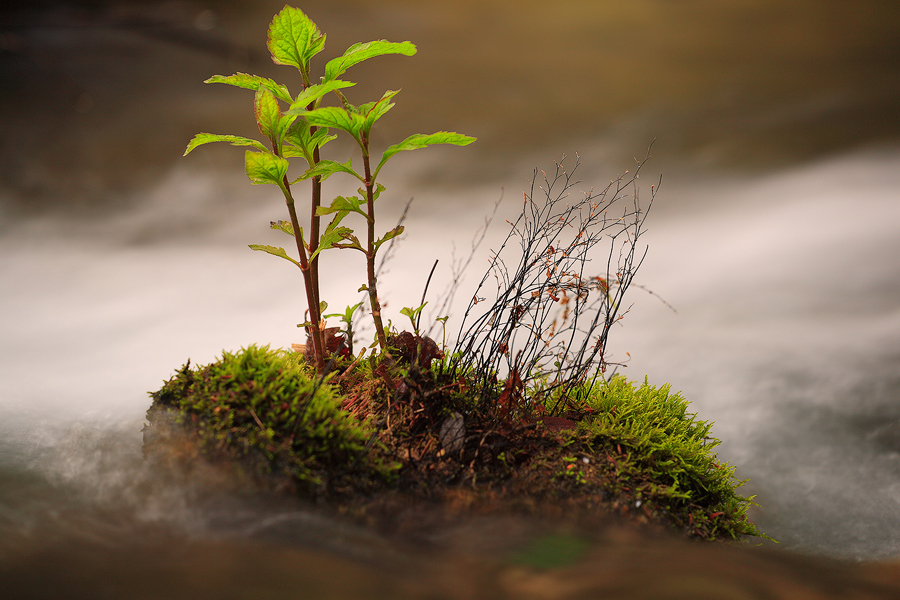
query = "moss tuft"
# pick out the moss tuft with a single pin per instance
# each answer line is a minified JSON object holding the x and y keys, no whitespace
{"x":663,"y":457}
{"x":267,"y":407}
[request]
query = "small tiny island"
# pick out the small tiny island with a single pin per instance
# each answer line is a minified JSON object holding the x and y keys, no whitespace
{"x":387,"y":430}
{"x":520,"y":415}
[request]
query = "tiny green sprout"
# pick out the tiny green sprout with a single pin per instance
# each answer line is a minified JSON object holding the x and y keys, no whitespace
{"x":413,"y":314}
{"x":347,"y":318}
{"x":297,"y":127}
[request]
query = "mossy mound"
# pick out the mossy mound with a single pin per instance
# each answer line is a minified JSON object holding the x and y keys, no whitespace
{"x":267,"y":408}
{"x":383,"y":433}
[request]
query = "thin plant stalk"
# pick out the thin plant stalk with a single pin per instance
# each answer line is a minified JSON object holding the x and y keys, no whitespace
{"x":372,"y":283}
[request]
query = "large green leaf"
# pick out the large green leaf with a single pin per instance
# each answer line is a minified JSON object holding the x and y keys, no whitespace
{"x":420,"y":140}
{"x":313,"y":93}
{"x":294,"y":39}
{"x":333,"y":116}
{"x":265,"y":167}
{"x":274,"y":251}
{"x":253,"y":82}
{"x":363,"y":51}
{"x":234,"y":140}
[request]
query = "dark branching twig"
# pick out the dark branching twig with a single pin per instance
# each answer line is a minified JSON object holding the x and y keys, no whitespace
{"x":554,"y":310}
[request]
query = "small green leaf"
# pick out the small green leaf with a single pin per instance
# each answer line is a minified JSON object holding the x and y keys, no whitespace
{"x":268,"y":114}
{"x":234,"y":140}
{"x":347,"y":317}
{"x":342,"y":204}
{"x":284,"y":226}
{"x":303,"y":143}
{"x":413,"y":314}
{"x":274,"y":251}
{"x":389,"y":236}
{"x":253,"y":82}
{"x":372,"y":111}
{"x":375,"y":193}
{"x":420,"y":140}
{"x":325,"y":168}
{"x":314,"y":92}
{"x":294,"y":39}
{"x":363,"y":51}
{"x":265,"y":167}
{"x":332,"y":236}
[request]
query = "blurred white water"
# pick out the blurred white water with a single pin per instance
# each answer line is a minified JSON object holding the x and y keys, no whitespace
{"x":787,"y":332}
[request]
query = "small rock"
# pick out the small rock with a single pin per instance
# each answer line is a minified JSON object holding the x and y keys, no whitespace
{"x":452,"y":433}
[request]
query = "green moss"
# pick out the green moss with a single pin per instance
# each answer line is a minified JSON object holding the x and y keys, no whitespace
{"x":619,"y":446}
{"x":268,"y":407}
{"x":662,"y":456}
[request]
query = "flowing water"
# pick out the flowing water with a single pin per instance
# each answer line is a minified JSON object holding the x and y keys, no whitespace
{"x":774,"y":236}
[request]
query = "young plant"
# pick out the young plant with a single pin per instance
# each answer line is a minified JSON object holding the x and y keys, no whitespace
{"x":301,"y":131}
{"x":357,"y":121}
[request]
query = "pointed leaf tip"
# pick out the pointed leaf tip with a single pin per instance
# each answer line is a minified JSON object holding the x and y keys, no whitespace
{"x":359,"y":52}
{"x":294,"y":39}
{"x":420,"y":140}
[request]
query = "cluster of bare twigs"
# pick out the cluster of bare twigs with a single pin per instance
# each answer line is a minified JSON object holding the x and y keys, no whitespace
{"x":548,"y":325}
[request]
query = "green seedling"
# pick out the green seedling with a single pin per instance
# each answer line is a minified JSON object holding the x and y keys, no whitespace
{"x":299,"y":132}
{"x":413,"y":315}
{"x":347,"y":318}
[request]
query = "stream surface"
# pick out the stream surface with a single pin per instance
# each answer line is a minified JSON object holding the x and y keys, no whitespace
{"x":775,"y":236}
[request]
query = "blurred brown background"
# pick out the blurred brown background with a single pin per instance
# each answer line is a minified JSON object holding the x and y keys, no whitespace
{"x":100,"y":97}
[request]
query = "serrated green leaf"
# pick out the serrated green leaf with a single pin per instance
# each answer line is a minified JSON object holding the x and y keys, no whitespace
{"x":314,"y":92}
{"x":302,"y":141}
{"x":345,"y":205}
{"x":268,"y":114}
{"x":253,"y":82}
{"x":326,"y":168}
{"x":234,"y":140}
{"x":274,"y":251}
{"x":389,"y":236}
{"x":375,"y":193}
{"x":332,"y":237}
{"x":294,"y":39}
{"x":333,"y":116}
{"x":284,"y":226}
{"x":372,"y":111}
{"x":363,"y":51}
{"x":292,"y":152}
{"x":265,"y":167}
{"x":420,"y":140}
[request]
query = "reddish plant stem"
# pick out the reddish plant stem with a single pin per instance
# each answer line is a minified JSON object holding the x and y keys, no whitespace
{"x":311,"y":291}
{"x":370,"y":246}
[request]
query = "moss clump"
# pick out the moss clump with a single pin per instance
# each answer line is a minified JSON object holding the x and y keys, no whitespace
{"x":660,"y":456}
{"x":633,"y":450}
{"x":267,"y":408}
